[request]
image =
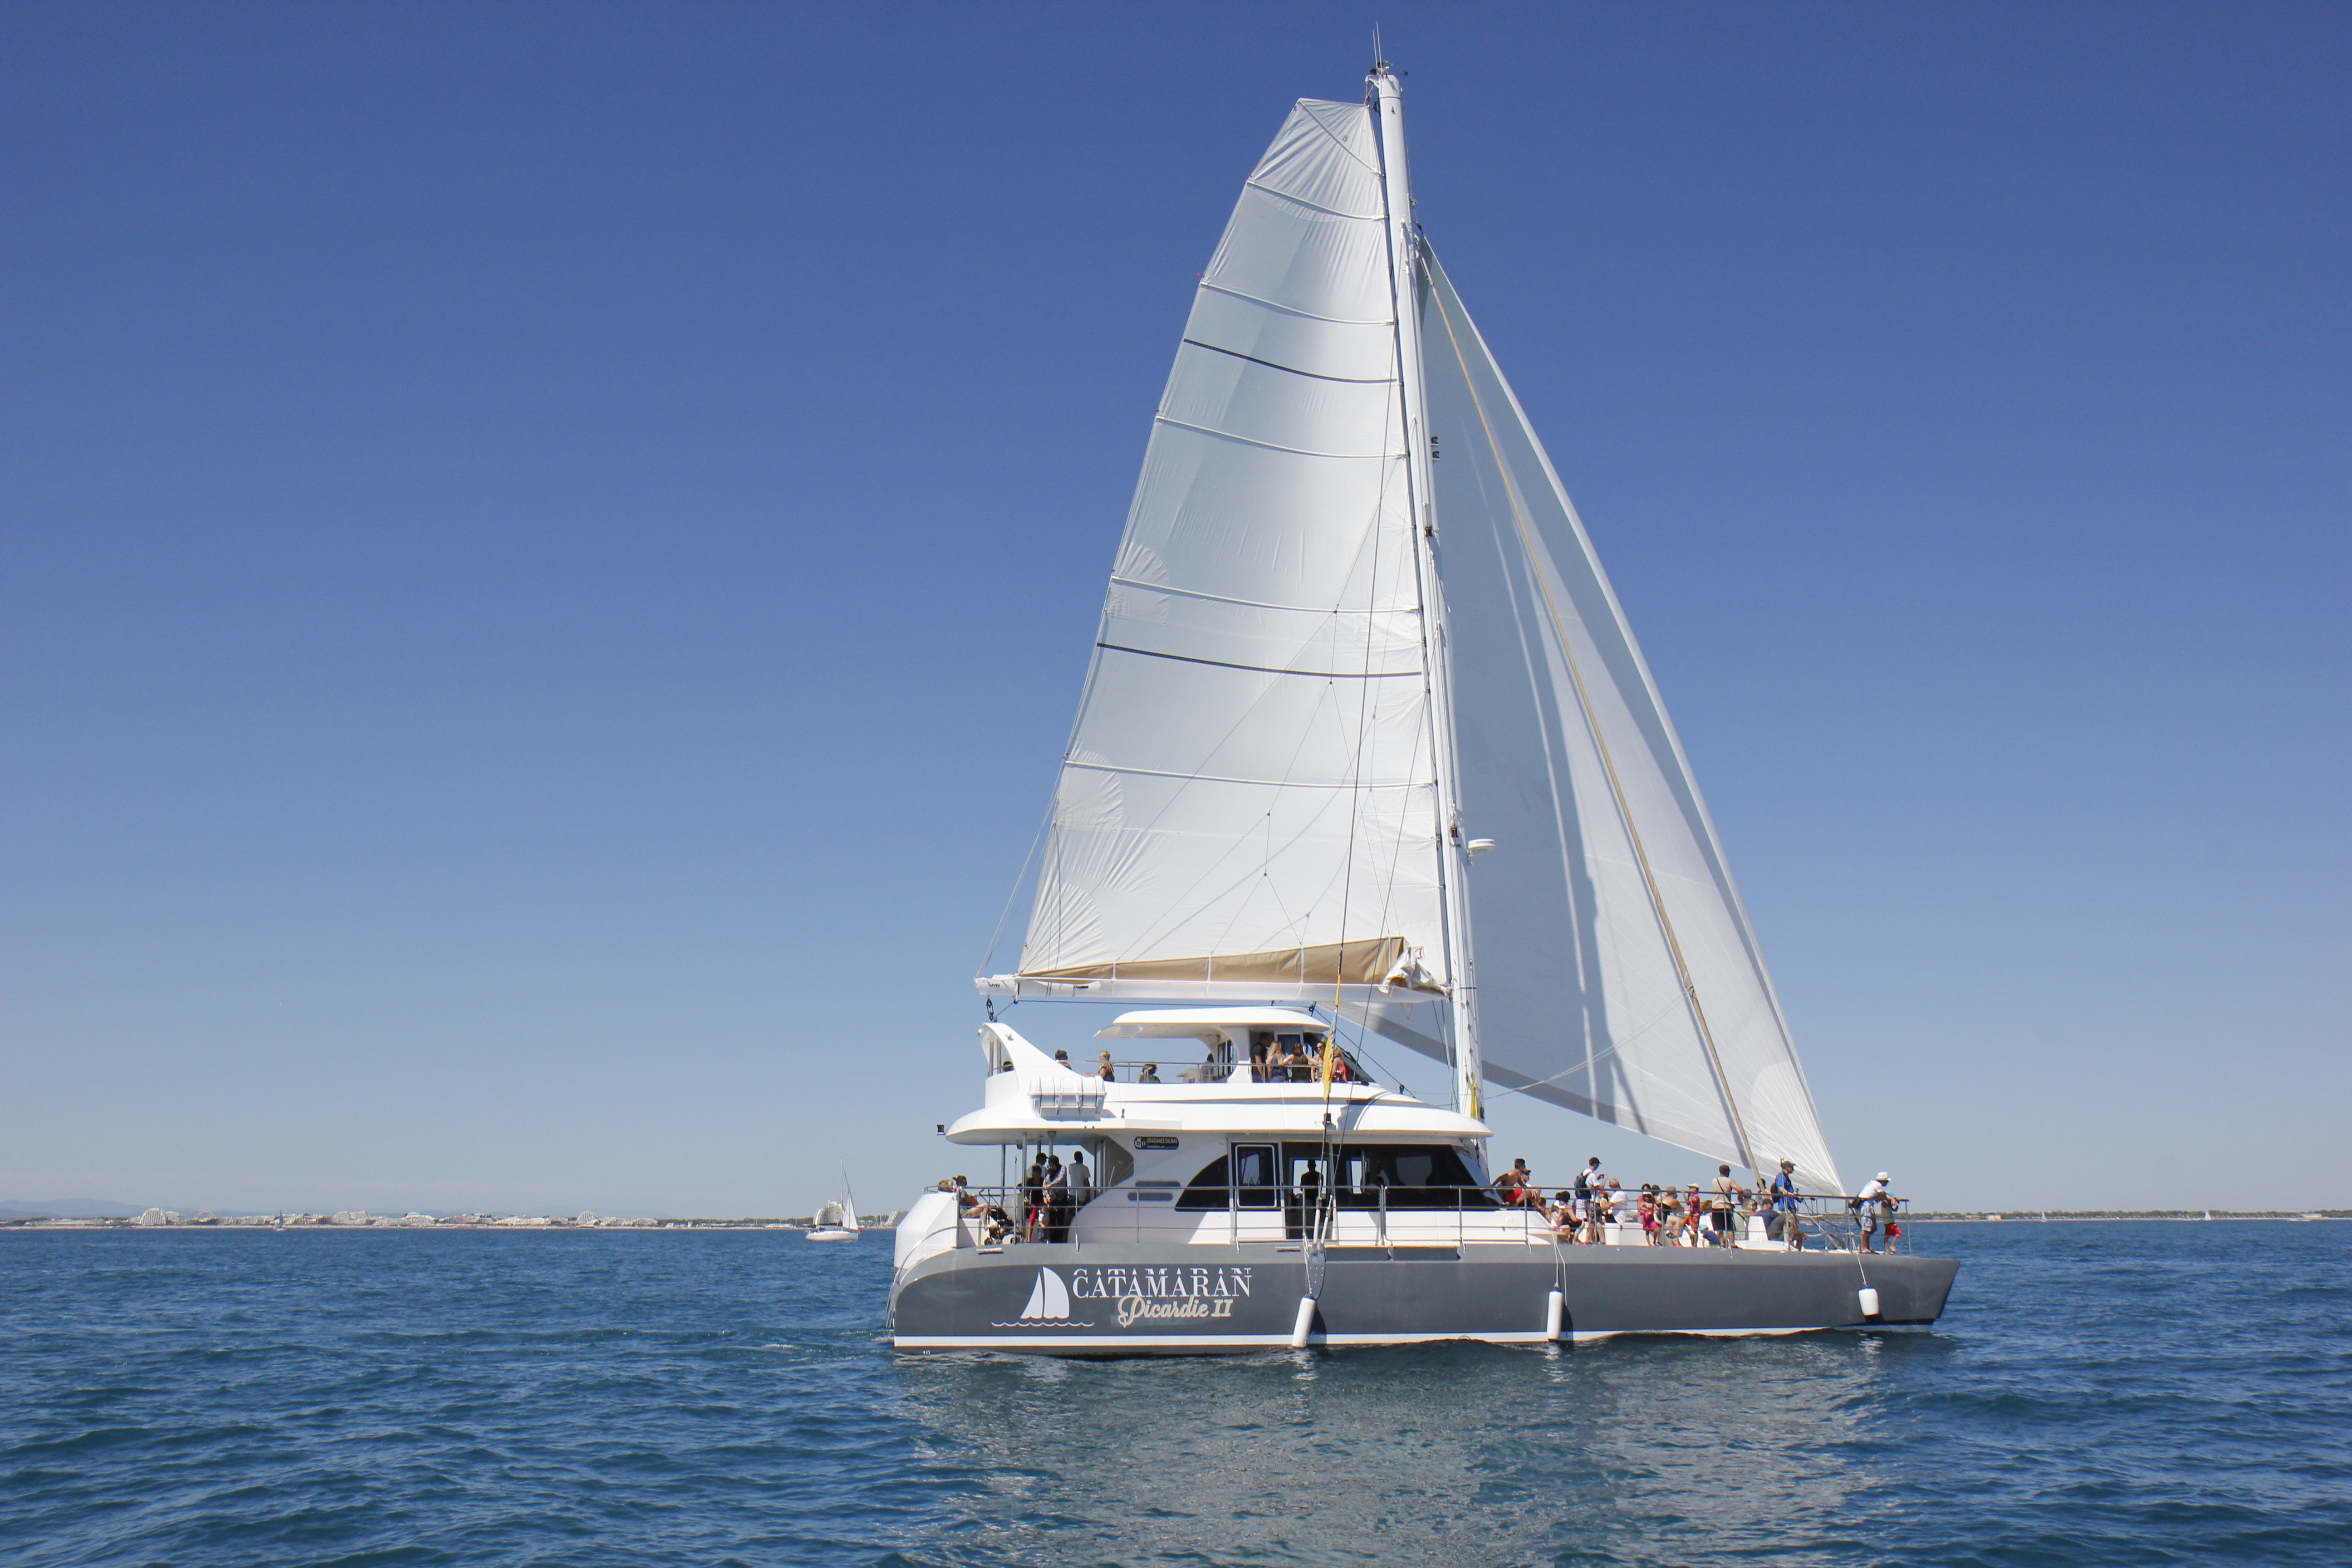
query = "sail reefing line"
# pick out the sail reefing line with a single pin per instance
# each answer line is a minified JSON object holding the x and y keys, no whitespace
{"x":1607,"y":764}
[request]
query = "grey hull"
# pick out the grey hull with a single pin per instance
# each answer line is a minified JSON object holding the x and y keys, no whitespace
{"x":1095,"y":1300}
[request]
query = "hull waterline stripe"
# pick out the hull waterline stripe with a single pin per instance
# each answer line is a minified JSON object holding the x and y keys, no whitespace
{"x":1281,"y":1342}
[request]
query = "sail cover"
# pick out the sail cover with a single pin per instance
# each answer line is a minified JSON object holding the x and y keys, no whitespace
{"x":1247,"y":807}
{"x":1617,"y":973}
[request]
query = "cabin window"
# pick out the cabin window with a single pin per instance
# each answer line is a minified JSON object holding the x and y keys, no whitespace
{"x":1212,"y":1189}
{"x":1254,"y":1176}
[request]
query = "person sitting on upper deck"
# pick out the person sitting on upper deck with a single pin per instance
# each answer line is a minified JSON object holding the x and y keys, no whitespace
{"x":1563,"y":1216}
{"x":1513,"y":1183}
{"x":1110,"y":1073}
{"x":1692,"y":1210}
{"x":1150,"y":1073}
{"x":968,"y":1202}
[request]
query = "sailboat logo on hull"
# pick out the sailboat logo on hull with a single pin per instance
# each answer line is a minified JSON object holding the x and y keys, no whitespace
{"x":1049,"y":1303}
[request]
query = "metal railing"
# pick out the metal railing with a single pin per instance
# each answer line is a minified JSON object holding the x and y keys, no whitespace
{"x":1392,"y":1217}
{"x":1179,"y":1072}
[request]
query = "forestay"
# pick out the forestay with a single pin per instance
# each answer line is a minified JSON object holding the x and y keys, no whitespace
{"x":1246,"y":805}
{"x":1618,"y":974}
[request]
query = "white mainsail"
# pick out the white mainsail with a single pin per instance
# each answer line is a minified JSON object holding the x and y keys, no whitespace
{"x":1250,"y":806}
{"x":1246,"y":806}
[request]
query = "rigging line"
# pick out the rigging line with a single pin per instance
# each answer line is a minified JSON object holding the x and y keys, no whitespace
{"x":1182,"y":897}
{"x":1265,"y":856}
{"x":1291,"y":369}
{"x":1262,"y":668}
{"x":1355,"y":780}
{"x":1608,"y":766}
{"x":1535,"y":699}
{"x":1275,"y":446}
{"x":1230,"y":730}
{"x":1295,"y":310}
{"x":1340,"y":142}
{"x":989,"y":958}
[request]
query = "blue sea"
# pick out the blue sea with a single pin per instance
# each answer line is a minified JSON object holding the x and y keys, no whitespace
{"x":2098,"y":1394}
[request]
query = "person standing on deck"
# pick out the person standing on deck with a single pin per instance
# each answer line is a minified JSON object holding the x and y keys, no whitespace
{"x":1057,"y":1200}
{"x":1783,"y":1224}
{"x":1728,"y":1193}
{"x":1874,"y":1198}
{"x":1033,"y":1201}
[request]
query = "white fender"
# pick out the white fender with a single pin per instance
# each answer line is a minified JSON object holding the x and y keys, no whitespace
{"x":1300,"y":1330}
{"x":1555,"y":1311}
{"x":1869,"y":1295}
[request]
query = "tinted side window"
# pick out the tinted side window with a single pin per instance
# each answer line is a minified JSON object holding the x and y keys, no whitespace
{"x":1413,"y":1176}
{"x":1209,"y":1189}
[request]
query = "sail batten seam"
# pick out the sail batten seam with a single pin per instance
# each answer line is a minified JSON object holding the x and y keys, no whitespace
{"x":1294,"y":370}
{"x":1275,"y":446}
{"x":1264,"y":669}
{"x":1295,"y":310}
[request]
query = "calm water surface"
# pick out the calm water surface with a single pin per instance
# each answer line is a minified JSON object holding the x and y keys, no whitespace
{"x":2098,"y":1394}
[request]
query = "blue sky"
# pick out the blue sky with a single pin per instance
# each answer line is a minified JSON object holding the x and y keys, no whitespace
{"x":550,"y":551}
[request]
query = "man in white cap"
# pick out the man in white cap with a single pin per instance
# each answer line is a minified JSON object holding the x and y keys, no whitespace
{"x":1874,"y":1198}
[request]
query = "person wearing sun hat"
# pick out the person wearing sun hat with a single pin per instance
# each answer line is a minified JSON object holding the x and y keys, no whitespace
{"x":1874,"y":1198}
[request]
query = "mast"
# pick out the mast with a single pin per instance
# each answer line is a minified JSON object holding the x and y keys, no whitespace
{"x":1403,"y":235}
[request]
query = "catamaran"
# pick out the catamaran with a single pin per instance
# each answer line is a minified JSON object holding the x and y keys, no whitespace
{"x":1361,"y":690}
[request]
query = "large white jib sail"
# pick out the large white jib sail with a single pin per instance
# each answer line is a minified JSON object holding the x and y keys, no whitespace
{"x":1289,"y":736}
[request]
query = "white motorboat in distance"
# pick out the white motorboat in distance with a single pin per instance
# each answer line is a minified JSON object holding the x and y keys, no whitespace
{"x":1360,"y":687}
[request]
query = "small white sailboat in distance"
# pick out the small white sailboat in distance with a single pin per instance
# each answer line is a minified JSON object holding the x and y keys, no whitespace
{"x":838,"y":1222}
